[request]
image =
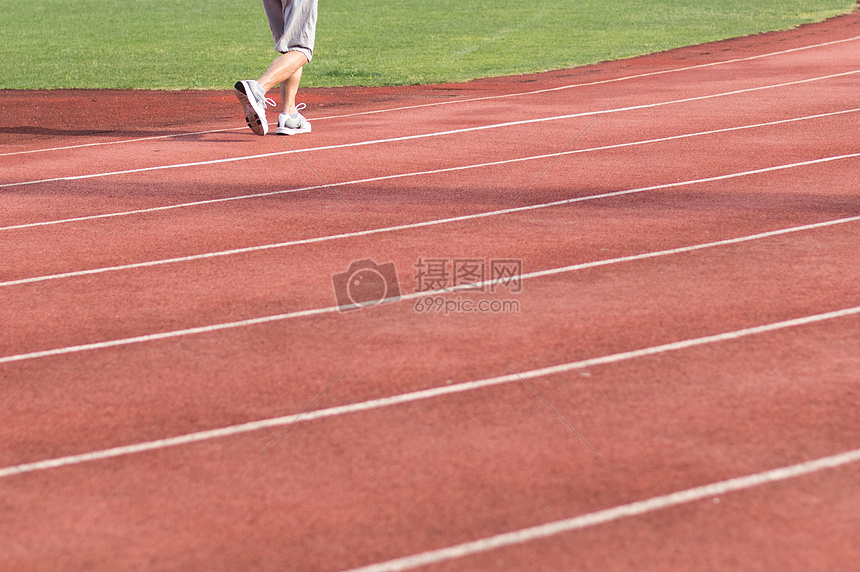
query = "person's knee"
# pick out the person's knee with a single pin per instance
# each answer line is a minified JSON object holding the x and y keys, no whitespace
{"x":299,"y":54}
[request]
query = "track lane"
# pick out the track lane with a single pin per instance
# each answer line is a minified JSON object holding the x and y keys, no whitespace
{"x":326,"y":472}
{"x":652,"y":302}
{"x":373,"y":203}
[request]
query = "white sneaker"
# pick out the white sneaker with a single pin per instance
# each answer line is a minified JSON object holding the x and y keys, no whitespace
{"x":293,"y":125}
{"x":254,"y":100}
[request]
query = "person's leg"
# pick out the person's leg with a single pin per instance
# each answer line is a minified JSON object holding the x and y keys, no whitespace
{"x":252,"y":94}
{"x":289,"y":89}
{"x":290,"y":121}
{"x":282,"y":69}
{"x":296,"y":45}
{"x":293,"y":25}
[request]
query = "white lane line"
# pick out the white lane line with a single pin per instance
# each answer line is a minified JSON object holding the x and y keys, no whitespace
{"x":597,"y":82}
{"x":467,"y":100}
{"x":461,"y":218}
{"x":616,"y":513}
{"x":414,"y":295}
{"x":429,"y":172}
{"x":418,"y":395}
{"x":425,"y":135}
{"x":123,"y":141}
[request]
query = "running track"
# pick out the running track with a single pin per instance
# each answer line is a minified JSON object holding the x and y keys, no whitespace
{"x":673,"y":384}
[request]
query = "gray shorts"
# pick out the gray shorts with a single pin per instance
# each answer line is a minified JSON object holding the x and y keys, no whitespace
{"x":293,"y":24}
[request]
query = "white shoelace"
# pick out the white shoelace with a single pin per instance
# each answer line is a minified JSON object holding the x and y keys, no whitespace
{"x":258,"y":93}
{"x":299,"y":107}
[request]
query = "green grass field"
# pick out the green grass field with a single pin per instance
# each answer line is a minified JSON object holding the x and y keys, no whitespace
{"x":175,"y":44}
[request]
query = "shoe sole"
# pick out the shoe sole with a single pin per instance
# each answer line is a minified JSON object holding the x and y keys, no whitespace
{"x":252,"y":117}
{"x":289,"y":131}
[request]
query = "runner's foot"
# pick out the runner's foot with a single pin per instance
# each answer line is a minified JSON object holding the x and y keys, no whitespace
{"x":254,"y":101}
{"x":293,"y":125}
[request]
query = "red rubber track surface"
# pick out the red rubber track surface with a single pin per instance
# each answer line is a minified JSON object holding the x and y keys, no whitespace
{"x":166,"y":273}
